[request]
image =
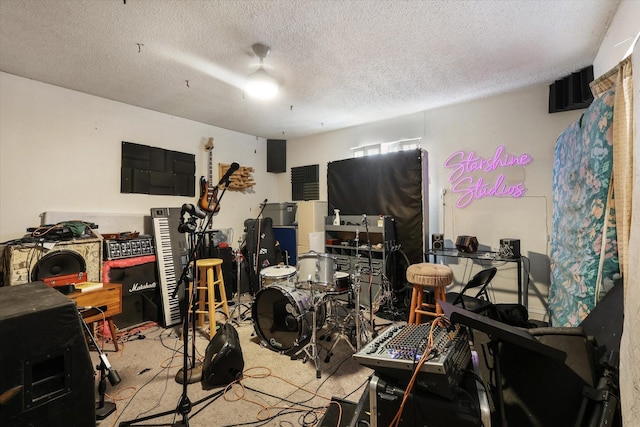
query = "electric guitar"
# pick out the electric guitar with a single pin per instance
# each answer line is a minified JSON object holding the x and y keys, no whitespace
{"x":208,"y":190}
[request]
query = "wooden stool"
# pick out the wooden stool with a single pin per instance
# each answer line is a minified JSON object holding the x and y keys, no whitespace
{"x":206,"y":287}
{"x":427,"y":275}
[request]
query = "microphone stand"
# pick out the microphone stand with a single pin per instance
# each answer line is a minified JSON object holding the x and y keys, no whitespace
{"x":239,"y":258}
{"x":103,"y":409}
{"x":185,"y":405}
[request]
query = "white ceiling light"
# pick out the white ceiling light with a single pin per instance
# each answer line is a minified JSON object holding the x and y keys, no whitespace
{"x":261,"y":84}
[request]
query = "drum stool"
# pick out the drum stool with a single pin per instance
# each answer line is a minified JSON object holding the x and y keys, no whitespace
{"x":427,"y":275}
{"x":209,"y":276}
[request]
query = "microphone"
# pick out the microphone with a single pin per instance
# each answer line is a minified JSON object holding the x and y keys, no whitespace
{"x":263,"y":204}
{"x":192,"y":210}
{"x":234,"y":167}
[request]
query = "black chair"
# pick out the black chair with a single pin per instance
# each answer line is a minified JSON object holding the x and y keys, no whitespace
{"x":479,"y":303}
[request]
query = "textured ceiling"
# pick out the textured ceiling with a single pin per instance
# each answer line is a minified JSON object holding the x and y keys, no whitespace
{"x":340,"y":63}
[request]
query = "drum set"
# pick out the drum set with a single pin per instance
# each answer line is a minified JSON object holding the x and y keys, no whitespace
{"x":294,"y":304}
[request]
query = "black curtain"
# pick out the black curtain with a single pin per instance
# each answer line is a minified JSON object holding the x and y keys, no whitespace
{"x":389,"y":184}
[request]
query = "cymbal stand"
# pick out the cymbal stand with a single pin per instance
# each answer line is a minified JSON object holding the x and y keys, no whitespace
{"x":371,"y":320}
{"x":311,"y":348}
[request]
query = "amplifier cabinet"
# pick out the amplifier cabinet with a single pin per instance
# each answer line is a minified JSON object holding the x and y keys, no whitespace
{"x":17,"y":262}
{"x":139,"y":279}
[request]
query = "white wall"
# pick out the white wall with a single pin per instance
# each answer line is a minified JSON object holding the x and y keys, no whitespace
{"x":520,"y":122}
{"x":60,"y":150}
{"x":624,"y":28}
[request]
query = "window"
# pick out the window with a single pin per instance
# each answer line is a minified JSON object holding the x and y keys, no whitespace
{"x":386,"y":147}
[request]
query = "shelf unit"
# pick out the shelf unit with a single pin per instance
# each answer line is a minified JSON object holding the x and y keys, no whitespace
{"x":340,"y":241}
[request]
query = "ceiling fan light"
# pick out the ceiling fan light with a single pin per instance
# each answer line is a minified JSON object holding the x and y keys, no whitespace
{"x":261,"y":85}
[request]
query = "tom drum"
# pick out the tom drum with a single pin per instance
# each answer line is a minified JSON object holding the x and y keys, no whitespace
{"x":277,"y":274}
{"x":316,"y":271}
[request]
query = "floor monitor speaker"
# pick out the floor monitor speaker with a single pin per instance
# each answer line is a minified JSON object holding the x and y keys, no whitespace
{"x":223,"y":362}
{"x":47,"y":373}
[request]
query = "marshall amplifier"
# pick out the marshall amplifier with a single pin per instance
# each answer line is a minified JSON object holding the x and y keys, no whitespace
{"x":131,"y":248}
{"x":139,"y":279}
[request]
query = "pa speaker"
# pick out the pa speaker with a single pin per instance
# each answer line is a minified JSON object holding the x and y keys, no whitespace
{"x":47,"y":373}
{"x":437,"y":242}
{"x":276,"y":155}
{"x":223,"y":361}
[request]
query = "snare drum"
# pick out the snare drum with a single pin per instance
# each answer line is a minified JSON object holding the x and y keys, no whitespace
{"x":343,"y":282}
{"x":283,"y":274}
{"x":316,"y":271}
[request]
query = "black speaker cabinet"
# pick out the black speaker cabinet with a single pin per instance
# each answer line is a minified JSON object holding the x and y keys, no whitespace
{"x":47,"y":376}
{"x":139,"y":279}
{"x":223,"y":362}
{"x":437,"y":242}
{"x":423,"y":408}
{"x":276,"y":155}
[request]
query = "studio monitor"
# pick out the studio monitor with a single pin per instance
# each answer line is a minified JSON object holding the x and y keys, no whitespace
{"x":223,"y":361}
{"x":47,"y":373}
{"x":437,"y":242}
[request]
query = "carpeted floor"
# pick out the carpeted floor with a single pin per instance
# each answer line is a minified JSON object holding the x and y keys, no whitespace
{"x":276,"y":389}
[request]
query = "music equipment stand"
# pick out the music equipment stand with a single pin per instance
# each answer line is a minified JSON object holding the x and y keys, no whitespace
{"x":185,"y":405}
{"x":499,"y":332}
{"x":103,"y":409}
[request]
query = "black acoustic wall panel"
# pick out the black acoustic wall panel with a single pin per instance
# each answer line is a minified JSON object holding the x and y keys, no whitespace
{"x":47,"y":361}
{"x":571,"y":92}
{"x":390,"y":184}
{"x":305,"y":182}
{"x":276,"y":155}
{"x":150,"y":170}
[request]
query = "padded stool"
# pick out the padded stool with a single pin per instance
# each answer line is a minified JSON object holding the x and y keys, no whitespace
{"x":427,"y":275}
{"x":208,"y":279}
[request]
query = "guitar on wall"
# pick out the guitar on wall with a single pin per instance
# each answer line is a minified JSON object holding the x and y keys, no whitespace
{"x":208,"y":190}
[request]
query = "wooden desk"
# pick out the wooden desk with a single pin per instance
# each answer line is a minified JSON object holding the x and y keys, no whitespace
{"x":108,"y":299}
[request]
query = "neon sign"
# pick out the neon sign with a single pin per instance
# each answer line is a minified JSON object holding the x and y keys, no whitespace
{"x":469,"y":186}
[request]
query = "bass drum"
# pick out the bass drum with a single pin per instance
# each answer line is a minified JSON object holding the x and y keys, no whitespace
{"x":282,"y":316}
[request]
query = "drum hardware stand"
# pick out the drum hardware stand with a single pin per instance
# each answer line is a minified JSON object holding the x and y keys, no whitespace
{"x":342,"y":334}
{"x":371,"y":320}
{"x":311,"y":348}
{"x":185,"y":405}
{"x":355,"y":312}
